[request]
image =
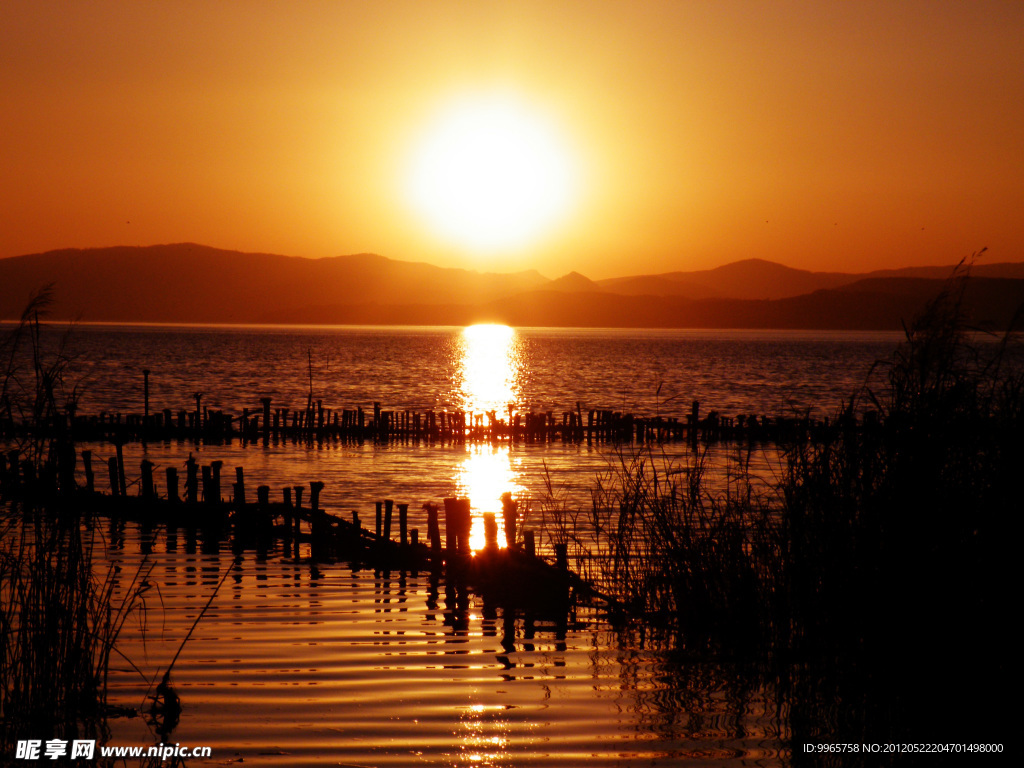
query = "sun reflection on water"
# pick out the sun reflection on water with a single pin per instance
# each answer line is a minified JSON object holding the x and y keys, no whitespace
{"x":487,"y":472}
{"x":489,"y":375}
{"x":485,"y":734}
{"x":490,"y":369}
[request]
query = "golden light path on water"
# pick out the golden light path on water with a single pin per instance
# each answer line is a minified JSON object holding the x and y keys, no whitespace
{"x":489,"y":374}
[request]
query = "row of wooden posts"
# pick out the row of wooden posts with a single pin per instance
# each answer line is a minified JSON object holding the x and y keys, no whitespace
{"x":315,"y":423}
{"x":328,"y":535}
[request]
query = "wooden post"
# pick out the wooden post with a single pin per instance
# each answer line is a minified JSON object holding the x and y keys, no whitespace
{"x":388,"y":506}
{"x":314,"y":494}
{"x":191,"y":481}
{"x":266,"y":419}
{"x":490,"y":531}
{"x":115,"y":486}
{"x":450,"y":525}
{"x":562,"y":556}
{"x":120,"y":468}
{"x":380,"y":517}
{"x":509,"y":508}
{"x":87,"y":466}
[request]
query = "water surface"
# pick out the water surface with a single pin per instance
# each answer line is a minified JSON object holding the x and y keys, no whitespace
{"x":328,"y":664}
{"x":339,"y":666}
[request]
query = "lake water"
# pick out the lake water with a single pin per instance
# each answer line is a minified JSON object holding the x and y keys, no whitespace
{"x":479,"y":369}
{"x":296,"y":665}
{"x":418,"y":368}
{"x":363,"y":668}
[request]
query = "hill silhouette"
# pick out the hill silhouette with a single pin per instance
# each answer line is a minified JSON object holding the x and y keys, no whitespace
{"x":760,"y":279}
{"x":192,"y":283}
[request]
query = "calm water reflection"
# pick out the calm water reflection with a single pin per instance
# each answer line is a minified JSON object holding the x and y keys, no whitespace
{"x":489,"y":376}
{"x":340,"y":666}
{"x":490,"y":369}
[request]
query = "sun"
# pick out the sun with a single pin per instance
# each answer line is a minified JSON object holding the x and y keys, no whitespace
{"x":491,"y":173}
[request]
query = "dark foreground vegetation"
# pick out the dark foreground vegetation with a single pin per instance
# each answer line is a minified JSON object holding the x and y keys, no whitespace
{"x":59,"y":618}
{"x":873,"y":581}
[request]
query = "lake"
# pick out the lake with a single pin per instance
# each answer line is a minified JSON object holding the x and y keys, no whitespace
{"x":362,"y":668}
{"x":485,"y":368}
{"x":330,"y":664}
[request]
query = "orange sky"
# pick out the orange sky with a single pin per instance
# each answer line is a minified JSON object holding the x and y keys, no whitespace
{"x":829,"y":136}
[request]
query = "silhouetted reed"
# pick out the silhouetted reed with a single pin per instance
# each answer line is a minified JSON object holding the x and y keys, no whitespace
{"x":60,"y":625}
{"x":871,"y":582}
{"x":59,"y":620}
{"x":35,"y":392}
{"x":897,"y":569}
{"x":683,"y":551}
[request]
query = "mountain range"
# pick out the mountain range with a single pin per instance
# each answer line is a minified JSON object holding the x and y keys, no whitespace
{"x":190,"y":283}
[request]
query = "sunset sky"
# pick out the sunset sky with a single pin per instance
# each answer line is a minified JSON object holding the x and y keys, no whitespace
{"x":639,"y":137}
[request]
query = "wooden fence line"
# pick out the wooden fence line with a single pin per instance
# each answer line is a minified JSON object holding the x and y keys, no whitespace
{"x":514,"y":576}
{"x":318,"y":424}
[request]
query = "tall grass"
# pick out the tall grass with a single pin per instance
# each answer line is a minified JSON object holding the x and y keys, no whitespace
{"x":873,"y":582}
{"x":59,"y":620}
{"x":60,"y":623}
{"x":35,"y":389}
{"x":899,"y":537}
{"x":683,"y":551}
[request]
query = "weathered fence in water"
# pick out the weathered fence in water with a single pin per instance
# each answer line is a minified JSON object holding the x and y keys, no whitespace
{"x":316,"y":423}
{"x":513,"y":575}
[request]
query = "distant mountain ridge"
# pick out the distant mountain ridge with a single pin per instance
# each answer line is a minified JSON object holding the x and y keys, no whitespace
{"x":760,"y":279}
{"x":186,"y":282}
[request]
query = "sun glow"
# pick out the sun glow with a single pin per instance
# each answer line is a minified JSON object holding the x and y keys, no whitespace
{"x":491,"y":174}
{"x":490,"y":371}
